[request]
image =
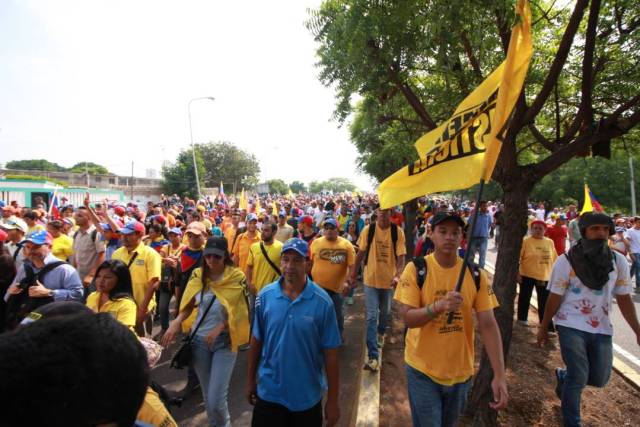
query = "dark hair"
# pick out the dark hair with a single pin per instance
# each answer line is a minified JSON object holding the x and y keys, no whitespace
{"x":30,"y":215}
{"x":56,"y":223}
{"x":272,"y":225}
{"x":159,"y":229}
{"x":227,"y":262}
{"x":72,"y":370}
{"x":123,"y":287}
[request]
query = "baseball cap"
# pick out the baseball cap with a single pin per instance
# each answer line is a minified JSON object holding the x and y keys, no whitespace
{"x":119,"y":210}
{"x":176,"y":230}
{"x":160,"y":218}
{"x":306,"y":220}
{"x":38,"y":238}
{"x":196,"y":227}
{"x":331,"y":221}
{"x":441,"y":217}
{"x":133,"y":227}
{"x":295,"y":244}
{"x":14,"y":223}
{"x":538,"y":221}
{"x":619,"y":229}
{"x":105,"y":226}
{"x":3,"y":235}
{"x":215,"y":246}
{"x":252,"y":217}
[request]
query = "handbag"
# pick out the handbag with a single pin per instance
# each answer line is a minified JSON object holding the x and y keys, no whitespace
{"x":182,"y":357}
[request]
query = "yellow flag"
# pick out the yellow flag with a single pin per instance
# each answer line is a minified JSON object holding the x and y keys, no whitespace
{"x":258,"y":207}
{"x":591,"y":204}
{"x":243,"y":201}
{"x":290,"y":195}
{"x":465,"y":148}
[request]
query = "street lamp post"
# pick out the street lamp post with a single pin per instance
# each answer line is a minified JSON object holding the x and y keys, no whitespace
{"x":193,"y":148}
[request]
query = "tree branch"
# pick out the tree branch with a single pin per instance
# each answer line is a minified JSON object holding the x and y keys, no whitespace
{"x":541,"y":138}
{"x":406,"y":90}
{"x":621,"y":109}
{"x":587,"y":62}
{"x":558,"y":61}
{"x":472,"y":58}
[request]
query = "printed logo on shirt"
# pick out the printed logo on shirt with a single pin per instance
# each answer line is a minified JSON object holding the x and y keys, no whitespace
{"x":139,"y":262}
{"x":334,"y":256}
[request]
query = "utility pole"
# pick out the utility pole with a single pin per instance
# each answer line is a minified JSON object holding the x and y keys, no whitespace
{"x":632,"y":183}
{"x":132,"y":181}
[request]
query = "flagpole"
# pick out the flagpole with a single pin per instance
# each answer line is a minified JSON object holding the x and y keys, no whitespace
{"x":467,"y":252}
{"x":55,"y":192}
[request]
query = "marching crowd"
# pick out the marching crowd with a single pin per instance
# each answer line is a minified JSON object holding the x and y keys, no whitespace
{"x":272,"y":275}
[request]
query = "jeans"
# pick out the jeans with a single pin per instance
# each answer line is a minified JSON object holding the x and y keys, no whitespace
{"x":338,"y":301}
{"x":524,"y":299}
{"x":479,"y":245}
{"x":214,"y":368}
{"x":163,"y":308}
{"x":378,"y":306}
{"x":433,"y":404}
{"x":269,"y":414}
{"x":636,"y":265}
{"x":588,"y":358}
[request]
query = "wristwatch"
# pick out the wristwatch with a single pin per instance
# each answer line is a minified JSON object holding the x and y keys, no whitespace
{"x":51,"y":293}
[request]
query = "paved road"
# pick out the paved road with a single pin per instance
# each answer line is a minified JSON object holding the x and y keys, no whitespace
{"x":192,"y":413}
{"x":625,"y":346}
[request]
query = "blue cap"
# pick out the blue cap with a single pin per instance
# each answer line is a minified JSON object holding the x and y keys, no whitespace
{"x":38,"y":238}
{"x":176,"y":230}
{"x":133,"y":227}
{"x":297,"y":245}
{"x":620,"y":230}
{"x":252,"y":217}
{"x":2,"y":204}
{"x":331,"y":221}
{"x":105,"y":226}
{"x":216,"y":231}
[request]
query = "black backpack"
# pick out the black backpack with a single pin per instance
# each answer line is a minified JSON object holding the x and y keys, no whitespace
{"x":94,"y":235}
{"x":372,"y":231}
{"x":19,"y":305}
{"x":421,"y":272}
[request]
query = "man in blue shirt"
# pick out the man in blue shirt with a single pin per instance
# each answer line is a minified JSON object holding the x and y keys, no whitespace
{"x":295,"y":335}
{"x":480,"y":235}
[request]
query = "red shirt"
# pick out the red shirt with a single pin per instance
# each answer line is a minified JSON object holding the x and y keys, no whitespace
{"x":559,"y":237}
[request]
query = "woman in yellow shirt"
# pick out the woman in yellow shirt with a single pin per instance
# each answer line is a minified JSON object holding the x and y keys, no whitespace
{"x":62,"y":244}
{"x":114,"y":294}
{"x":536,"y":261}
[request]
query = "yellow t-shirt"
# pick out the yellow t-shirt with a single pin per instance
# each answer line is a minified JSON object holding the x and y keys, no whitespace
{"x":381,"y":266}
{"x":342,"y":221}
{"x":37,"y":227}
{"x":62,"y":247}
{"x":537,"y":257}
{"x":331,"y":261}
{"x":153,"y":411}
{"x":146,"y":266}
{"x":241,"y":249}
{"x":443,"y":352}
{"x":122,"y":309}
{"x":263,"y":273}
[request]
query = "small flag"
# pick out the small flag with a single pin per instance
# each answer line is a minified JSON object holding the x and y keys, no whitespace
{"x":221,"y":191}
{"x":55,"y":206}
{"x":591,"y":204}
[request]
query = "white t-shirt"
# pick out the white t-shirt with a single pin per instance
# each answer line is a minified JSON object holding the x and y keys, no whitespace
{"x":634,"y":237}
{"x":583,"y":308}
{"x":540,"y":214}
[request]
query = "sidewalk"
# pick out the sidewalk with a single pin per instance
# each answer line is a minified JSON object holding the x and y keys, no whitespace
{"x":192,"y":413}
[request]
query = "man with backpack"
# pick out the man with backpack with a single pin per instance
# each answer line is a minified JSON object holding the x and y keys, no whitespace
{"x":382,"y":248}
{"x":439,"y":355}
{"x":15,"y":229}
{"x":42,"y":279}
{"x":88,"y":249}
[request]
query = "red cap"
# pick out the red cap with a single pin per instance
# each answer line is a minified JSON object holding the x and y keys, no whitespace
{"x":538,"y":221}
{"x":119,"y":210}
{"x":307,"y":220}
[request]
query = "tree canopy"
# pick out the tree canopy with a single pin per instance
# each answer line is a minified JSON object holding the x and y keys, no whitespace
{"x":277,"y":186}
{"x":298,"y":187}
{"x":179,"y":177}
{"x":336,"y":185}
{"x":46,"y":165}
{"x":226,"y":163}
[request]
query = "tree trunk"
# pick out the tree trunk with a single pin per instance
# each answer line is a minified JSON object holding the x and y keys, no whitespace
{"x":410,"y":210}
{"x":514,"y":227}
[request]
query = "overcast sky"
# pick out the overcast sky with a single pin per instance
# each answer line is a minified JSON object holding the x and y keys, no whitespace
{"x":109,"y":82}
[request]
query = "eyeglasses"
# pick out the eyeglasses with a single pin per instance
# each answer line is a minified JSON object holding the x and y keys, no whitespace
{"x":214,"y":256}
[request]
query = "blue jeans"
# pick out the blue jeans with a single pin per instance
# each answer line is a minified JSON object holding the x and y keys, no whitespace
{"x":214,"y":368}
{"x":378,"y":305}
{"x":636,"y":264}
{"x":588,"y":358}
{"x":338,"y":301}
{"x":433,"y":404}
{"x":479,"y":245}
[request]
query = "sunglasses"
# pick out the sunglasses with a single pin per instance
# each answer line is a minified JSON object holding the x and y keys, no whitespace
{"x":214,"y":256}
